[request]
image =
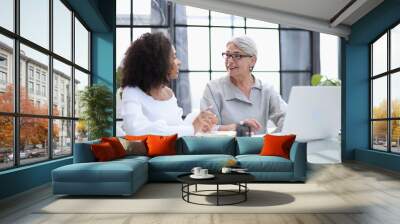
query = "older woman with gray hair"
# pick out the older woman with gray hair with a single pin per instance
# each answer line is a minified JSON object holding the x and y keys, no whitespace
{"x":239,"y":97}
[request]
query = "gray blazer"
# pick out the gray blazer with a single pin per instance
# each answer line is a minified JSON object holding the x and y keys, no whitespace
{"x":232,"y":106}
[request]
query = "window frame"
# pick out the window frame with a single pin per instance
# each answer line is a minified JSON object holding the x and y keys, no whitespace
{"x":16,"y":115}
{"x":388,"y":74}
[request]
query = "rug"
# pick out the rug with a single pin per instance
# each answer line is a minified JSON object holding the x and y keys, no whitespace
{"x":167,"y":198}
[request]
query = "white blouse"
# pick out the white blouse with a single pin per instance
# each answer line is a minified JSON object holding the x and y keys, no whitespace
{"x":142,"y":115}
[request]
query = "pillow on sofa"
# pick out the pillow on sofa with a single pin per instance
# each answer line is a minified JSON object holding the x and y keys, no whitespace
{"x":277,"y":145}
{"x":103,"y":152}
{"x":161,"y":145}
{"x":116,"y":145}
{"x":136,"y":137}
{"x":134,"y":147}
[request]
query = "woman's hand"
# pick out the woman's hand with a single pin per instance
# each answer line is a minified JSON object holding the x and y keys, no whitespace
{"x":252,"y":123}
{"x":204,"y":122}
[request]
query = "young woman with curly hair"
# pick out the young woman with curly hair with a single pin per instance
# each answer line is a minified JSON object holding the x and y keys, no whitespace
{"x":149,"y":106}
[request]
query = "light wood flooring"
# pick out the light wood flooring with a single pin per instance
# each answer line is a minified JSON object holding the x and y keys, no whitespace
{"x":377,"y":188}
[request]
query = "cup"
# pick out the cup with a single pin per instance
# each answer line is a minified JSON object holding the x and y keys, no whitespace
{"x":203,"y":172}
{"x":196,"y":170}
{"x":226,"y":170}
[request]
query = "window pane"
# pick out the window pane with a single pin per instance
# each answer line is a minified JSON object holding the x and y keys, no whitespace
{"x":137,"y":32}
{"x":395,"y":95}
{"x":35,"y":21}
{"x":34,"y":96}
{"x":62,"y":29}
{"x":81,"y":131}
{"x":196,"y":47}
{"x":6,"y":74}
{"x":81,"y":81}
{"x":379,"y":135}
{"x":329,"y":54}
{"x":219,"y":38}
{"x":379,"y":55}
{"x":259,"y":23}
{"x":6,"y":142}
{"x":7,"y":14}
{"x":191,"y":15}
{"x":270,"y":79}
{"x":150,"y":12}
{"x":62,"y":138}
{"x":395,"y":135}
{"x":62,"y":89}
{"x":81,"y":45}
{"x":198,"y":82}
{"x":379,"y":98}
{"x":33,"y":139}
{"x":123,"y":41}
{"x":395,"y":47}
{"x":267,"y":42}
{"x":123,"y":12}
{"x":222,"y":19}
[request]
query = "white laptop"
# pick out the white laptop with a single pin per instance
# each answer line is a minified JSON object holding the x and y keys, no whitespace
{"x":313,"y":112}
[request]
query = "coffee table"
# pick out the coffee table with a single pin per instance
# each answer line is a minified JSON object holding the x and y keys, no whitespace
{"x":238,"y":179}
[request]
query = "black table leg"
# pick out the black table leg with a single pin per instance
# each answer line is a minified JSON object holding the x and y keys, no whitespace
{"x":245,"y":193}
{"x":217,"y":194}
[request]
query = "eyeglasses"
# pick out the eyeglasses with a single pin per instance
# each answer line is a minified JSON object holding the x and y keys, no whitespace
{"x":235,"y":57}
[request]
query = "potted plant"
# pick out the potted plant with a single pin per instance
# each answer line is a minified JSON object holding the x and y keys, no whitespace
{"x":96,"y":102}
{"x":320,"y":80}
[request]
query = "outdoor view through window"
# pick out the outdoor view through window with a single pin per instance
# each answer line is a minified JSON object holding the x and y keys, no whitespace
{"x":39,"y":75}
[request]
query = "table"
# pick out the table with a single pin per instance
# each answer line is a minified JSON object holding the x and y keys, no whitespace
{"x":238,"y":179}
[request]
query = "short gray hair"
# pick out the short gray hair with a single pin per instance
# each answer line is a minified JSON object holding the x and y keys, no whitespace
{"x":245,"y":44}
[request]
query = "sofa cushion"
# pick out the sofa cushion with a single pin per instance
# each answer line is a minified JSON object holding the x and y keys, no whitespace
{"x":257,"y":163}
{"x":116,"y":145}
{"x":185,"y":163}
{"x":158,"y":145}
{"x":112,"y":171}
{"x":136,"y":137}
{"x":103,"y":152}
{"x":277,"y":145}
{"x":134,"y":147}
{"x":197,"y":145}
{"x":249,"y":145}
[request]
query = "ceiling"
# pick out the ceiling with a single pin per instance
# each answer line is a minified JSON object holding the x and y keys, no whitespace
{"x":326,"y":16}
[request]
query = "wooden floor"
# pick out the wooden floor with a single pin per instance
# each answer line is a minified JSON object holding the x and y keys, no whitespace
{"x":377,"y":188}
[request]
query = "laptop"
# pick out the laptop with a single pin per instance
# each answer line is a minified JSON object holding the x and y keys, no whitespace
{"x":313,"y":113}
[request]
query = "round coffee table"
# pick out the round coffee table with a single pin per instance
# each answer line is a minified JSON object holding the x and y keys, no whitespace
{"x":238,"y":179}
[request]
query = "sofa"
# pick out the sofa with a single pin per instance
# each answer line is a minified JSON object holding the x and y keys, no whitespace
{"x":126,"y":175}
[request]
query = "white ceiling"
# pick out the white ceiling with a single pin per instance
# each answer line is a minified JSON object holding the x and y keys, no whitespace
{"x":315,"y":15}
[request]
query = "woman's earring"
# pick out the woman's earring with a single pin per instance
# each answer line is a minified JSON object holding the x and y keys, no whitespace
{"x":251,"y":68}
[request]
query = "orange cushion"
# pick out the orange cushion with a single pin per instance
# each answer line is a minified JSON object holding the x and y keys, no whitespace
{"x":161,"y":145}
{"x":116,"y":145}
{"x":277,"y":145}
{"x":103,"y":151}
{"x":136,"y":137}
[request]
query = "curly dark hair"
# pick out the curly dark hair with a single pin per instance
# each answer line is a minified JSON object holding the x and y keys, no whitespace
{"x":147,"y":62}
